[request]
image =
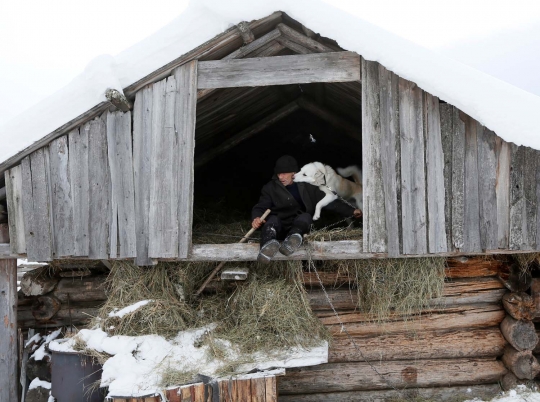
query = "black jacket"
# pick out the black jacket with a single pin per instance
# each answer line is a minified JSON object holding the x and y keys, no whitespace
{"x":276,"y":197}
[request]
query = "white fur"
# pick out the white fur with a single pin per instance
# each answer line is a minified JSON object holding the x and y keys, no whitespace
{"x":324,"y":177}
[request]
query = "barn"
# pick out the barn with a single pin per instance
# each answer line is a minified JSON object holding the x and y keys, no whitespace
{"x":451,"y":169}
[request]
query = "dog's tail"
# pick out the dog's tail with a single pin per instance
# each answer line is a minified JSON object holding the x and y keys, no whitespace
{"x":351,"y":171}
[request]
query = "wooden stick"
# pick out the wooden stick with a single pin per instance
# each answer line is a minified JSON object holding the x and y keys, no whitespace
{"x":221,"y":264}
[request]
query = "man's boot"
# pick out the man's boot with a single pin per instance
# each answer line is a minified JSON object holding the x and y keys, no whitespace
{"x":292,"y":242}
{"x":269,"y":244}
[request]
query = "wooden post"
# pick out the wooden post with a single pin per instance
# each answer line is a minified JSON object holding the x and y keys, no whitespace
{"x":8,"y":325}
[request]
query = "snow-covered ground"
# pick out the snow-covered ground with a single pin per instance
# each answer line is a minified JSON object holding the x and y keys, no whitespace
{"x":520,"y":394}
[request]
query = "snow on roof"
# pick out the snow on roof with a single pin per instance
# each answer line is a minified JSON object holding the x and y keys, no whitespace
{"x":503,"y":108}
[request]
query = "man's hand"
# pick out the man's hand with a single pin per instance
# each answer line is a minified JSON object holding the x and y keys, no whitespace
{"x":257,"y":223}
{"x":357,"y":213}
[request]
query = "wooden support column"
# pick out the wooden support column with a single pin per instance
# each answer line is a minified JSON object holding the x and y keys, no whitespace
{"x":8,"y":324}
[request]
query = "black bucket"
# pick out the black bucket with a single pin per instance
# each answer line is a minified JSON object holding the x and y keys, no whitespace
{"x":73,"y":376}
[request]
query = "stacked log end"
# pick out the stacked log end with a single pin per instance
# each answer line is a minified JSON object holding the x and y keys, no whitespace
{"x":518,"y":328}
{"x":452,"y":351}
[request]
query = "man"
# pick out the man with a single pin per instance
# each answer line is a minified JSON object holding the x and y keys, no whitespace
{"x":292,"y":205}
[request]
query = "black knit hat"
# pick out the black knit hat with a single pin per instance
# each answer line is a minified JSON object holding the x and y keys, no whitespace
{"x":286,"y":164}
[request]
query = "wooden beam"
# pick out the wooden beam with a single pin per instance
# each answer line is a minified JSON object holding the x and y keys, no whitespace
{"x":221,"y":41}
{"x":295,"y":47}
{"x":70,"y":125}
{"x":303,"y":40}
{"x":247,"y":133}
{"x":280,"y":70}
{"x":245,"y":31}
{"x":118,"y":100}
{"x":8,"y":329}
{"x":351,"y":130}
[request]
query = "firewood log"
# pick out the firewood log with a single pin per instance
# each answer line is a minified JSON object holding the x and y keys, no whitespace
{"x":45,"y":307}
{"x":519,"y":333}
{"x":38,"y":282}
{"x":519,"y":305}
{"x":522,"y":363}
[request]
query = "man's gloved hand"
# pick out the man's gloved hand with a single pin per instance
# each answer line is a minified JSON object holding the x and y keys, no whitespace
{"x":257,"y":223}
{"x":357,"y":213}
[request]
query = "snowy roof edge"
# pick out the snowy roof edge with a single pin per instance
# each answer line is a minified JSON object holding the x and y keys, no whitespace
{"x":503,"y":108}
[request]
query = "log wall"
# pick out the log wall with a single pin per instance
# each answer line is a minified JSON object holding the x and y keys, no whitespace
{"x":436,"y":180}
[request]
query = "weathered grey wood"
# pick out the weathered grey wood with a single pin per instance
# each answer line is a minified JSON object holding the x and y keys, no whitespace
{"x":537,"y":179}
{"x":8,"y":330}
{"x":471,"y":204}
{"x":256,"y":44}
{"x":295,"y":47}
{"x":446,"y":112}
{"x":502,"y":190}
{"x":163,"y":218}
{"x":303,"y":40}
{"x":517,"y":201}
{"x":36,"y":207}
{"x":522,"y":363}
{"x":186,"y":102}
{"x":435,"y":177}
{"x":118,"y":100}
{"x":247,"y":133}
{"x":529,"y":194}
{"x":99,"y":190}
{"x":142,"y":160}
{"x":15,"y":210}
{"x":458,"y":178}
{"x":80,"y":193}
{"x":375,"y":233}
{"x":279,"y":70}
{"x":123,"y":199}
{"x":487,"y":181}
{"x":413,"y":179}
{"x":390,"y":150}
{"x":268,"y":50}
{"x":61,"y":197}
{"x":519,"y":333}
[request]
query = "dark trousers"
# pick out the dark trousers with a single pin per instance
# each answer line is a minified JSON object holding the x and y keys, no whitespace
{"x":276,"y":228}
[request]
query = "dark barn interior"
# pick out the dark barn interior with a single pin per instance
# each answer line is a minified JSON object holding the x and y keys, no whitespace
{"x":241,"y":132}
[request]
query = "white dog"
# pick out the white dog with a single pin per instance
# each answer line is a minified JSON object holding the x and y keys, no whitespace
{"x":328,"y":180}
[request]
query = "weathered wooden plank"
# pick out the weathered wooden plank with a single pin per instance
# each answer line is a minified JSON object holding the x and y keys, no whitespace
{"x":375,"y":233}
{"x":471,"y":202}
{"x":122,"y":229}
{"x":271,"y":389}
{"x":487,"y":182}
{"x":458,"y":178}
{"x":163,"y":218}
{"x":279,"y":70}
{"x":36,"y":203}
{"x":80,"y":191}
{"x":442,"y":394}
{"x":142,"y":160}
{"x":435,"y":177}
{"x":253,"y":46}
{"x":502,"y":191}
{"x":482,"y":342}
{"x":303,"y":40}
{"x":413,"y":179}
{"x":390,"y":157}
{"x":8,"y":330}
{"x":334,"y":377}
{"x":14,"y":194}
{"x":61,"y":197}
{"x":186,"y":102}
{"x":258,"y":389}
{"x":529,"y":194}
{"x":446,"y":113}
{"x":243,"y":390}
{"x":99,"y":204}
{"x":517,"y":201}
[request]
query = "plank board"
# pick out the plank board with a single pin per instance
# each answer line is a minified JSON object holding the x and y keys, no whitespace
{"x":80,"y":192}
{"x":186,"y":102}
{"x":14,"y":188}
{"x":258,"y":389}
{"x":446,"y":113}
{"x":99,"y":191}
{"x":529,"y":194}
{"x":502,"y":191}
{"x":487,"y":182}
{"x":517,"y":201}
{"x":142,"y":157}
{"x":61,"y":197}
{"x":163,"y":218}
{"x":8,"y":330}
{"x":375,"y":234}
{"x":435,"y":177}
{"x":122,"y":227}
{"x":279,"y":70}
{"x":36,"y":207}
{"x":471,"y":204}
{"x":458,"y":178}
{"x":413,"y":179}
